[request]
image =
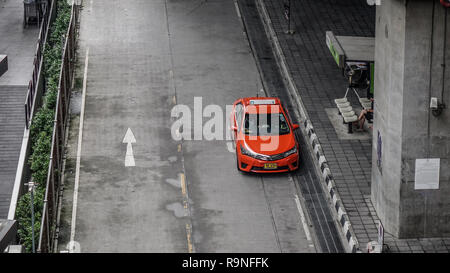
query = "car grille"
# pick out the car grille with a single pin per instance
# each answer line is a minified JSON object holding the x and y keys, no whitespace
{"x":276,"y":157}
{"x":254,"y":168}
{"x":270,"y":157}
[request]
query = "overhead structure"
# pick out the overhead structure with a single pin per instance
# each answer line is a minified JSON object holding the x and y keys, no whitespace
{"x":356,"y":57}
{"x":350,"y":48}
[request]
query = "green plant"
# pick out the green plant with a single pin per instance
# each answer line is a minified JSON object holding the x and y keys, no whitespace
{"x":42,"y":127}
{"x":42,"y":122}
{"x":40,"y":158}
{"x":23,"y":215}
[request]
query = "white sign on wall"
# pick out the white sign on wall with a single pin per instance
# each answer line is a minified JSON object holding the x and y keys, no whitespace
{"x":427,"y":174}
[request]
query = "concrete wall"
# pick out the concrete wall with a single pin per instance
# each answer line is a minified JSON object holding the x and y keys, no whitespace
{"x":409,"y":58}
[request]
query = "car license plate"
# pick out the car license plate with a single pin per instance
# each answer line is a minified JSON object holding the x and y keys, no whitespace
{"x":270,"y":166}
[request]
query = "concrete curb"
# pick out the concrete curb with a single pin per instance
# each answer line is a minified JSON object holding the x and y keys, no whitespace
{"x":315,"y":148}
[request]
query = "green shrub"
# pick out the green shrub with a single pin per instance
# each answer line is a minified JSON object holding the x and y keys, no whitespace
{"x":42,"y":128}
{"x":42,"y":122}
{"x":23,"y":215}
{"x":50,"y":99}
{"x":40,"y":158}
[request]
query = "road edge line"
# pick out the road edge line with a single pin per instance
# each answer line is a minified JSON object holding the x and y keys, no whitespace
{"x":80,"y":139}
{"x":302,"y":217}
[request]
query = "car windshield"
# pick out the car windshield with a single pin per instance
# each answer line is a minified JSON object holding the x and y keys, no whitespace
{"x":265,"y":124}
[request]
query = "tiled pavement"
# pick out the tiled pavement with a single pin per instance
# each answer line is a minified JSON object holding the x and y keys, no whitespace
{"x":20,"y":45}
{"x":11,"y":132}
{"x":319,"y":82}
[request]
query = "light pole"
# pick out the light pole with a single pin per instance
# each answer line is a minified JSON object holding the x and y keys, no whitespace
{"x":31,"y":186}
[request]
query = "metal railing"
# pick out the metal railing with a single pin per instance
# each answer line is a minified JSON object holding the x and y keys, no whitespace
{"x":48,"y":221}
{"x":33,"y":85}
{"x":32,"y":102}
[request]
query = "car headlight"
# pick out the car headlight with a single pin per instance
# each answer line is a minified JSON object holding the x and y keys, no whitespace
{"x":291,"y":151}
{"x":262,"y":157}
{"x":246,"y":152}
{"x":253,"y":154}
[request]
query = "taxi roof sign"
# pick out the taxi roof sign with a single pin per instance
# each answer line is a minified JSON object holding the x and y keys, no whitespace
{"x":262,"y":102}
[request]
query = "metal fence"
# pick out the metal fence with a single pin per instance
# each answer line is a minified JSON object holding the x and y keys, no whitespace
{"x":48,"y":221}
{"x":33,"y":86}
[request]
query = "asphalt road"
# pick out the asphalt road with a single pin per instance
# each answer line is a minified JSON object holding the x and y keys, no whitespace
{"x":181,"y":196}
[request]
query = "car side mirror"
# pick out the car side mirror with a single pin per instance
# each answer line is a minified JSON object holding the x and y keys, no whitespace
{"x":295,"y":126}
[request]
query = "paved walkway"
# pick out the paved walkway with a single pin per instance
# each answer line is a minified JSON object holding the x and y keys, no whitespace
{"x":20,"y":45}
{"x":319,"y":82}
{"x":11,"y":132}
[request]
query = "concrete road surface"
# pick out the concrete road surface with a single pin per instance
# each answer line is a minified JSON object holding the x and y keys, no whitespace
{"x":181,"y":196}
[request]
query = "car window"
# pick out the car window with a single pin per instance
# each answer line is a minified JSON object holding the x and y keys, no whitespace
{"x":261,"y":124}
{"x":288,"y":116}
{"x":238,"y":115}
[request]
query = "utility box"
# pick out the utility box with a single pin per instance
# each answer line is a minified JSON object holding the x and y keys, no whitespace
{"x":3,"y":64}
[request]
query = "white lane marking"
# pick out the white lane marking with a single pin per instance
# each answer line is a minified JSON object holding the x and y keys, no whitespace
{"x":237,"y":9}
{"x":129,"y":157}
{"x":80,"y":139}
{"x":302,"y":217}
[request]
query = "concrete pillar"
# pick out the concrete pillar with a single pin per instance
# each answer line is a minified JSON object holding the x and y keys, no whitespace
{"x":412,"y":48}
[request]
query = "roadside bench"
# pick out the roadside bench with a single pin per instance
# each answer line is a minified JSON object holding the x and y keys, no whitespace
{"x":347,"y":113}
{"x":365,"y":103}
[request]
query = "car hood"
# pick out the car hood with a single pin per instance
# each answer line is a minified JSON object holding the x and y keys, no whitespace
{"x":269,"y":145}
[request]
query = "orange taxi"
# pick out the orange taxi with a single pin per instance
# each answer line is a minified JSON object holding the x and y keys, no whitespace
{"x":264,"y":136}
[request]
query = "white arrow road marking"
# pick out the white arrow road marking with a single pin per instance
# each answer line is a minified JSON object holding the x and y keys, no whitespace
{"x":129,"y":157}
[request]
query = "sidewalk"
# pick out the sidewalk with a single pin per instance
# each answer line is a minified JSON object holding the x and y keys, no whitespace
{"x":319,"y":82}
{"x":20,"y":45}
{"x":17,"y":42}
